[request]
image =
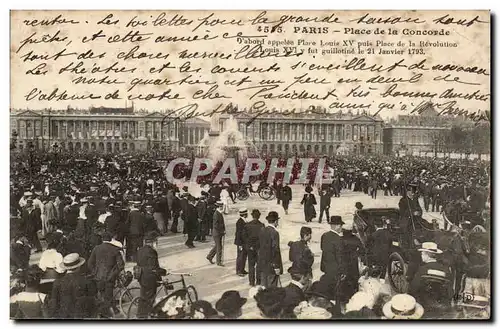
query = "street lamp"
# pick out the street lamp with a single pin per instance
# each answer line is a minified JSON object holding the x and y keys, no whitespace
{"x":31,"y":149}
{"x":13,"y":142}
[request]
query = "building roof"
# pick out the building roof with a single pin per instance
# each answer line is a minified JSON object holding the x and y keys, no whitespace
{"x":315,"y":115}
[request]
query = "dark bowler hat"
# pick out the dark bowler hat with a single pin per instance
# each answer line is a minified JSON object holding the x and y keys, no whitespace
{"x":151,"y":236}
{"x":299,"y":268}
{"x":230,"y":301}
{"x":336,"y":220}
{"x":358,"y":205}
{"x":272,"y":216}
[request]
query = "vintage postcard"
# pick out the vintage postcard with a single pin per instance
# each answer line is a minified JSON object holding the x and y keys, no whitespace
{"x":250,"y":165}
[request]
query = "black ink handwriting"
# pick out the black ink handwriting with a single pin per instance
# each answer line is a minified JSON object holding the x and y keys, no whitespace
{"x":367,"y":19}
{"x":56,"y":95}
{"x":448,"y":78}
{"x":257,"y":51}
{"x":210,"y":21}
{"x":59,"y":19}
{"x":447,"y":20}
{"x":46,"y":38}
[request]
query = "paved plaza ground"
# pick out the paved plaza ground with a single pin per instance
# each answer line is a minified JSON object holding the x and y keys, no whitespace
{"x":211,"y":280}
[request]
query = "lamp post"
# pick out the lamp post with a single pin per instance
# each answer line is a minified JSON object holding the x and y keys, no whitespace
{"x":31,"y":149}
{"x":13,"y":142}
{"x":55,"y":147}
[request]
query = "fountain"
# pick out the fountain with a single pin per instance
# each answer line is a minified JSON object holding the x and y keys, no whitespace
{"x":229,"y":143}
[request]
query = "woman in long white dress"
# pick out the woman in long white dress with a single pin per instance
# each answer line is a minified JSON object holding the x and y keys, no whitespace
{"x":224,"y":198}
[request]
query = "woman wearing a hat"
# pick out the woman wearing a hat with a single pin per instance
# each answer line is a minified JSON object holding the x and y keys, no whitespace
{"x":230,"y":304}
{"x":309,"y":200}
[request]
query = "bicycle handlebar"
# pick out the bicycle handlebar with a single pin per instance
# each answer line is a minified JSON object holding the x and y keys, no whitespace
{"x":180,"y":274}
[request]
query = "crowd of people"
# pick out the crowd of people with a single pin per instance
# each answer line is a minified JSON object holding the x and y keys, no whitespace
{"x":95,"y":213}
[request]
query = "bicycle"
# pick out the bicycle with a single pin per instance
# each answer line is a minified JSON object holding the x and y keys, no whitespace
{"x":264,"y":191}
{"x":165,"y":286}
{"x":125,"y":294}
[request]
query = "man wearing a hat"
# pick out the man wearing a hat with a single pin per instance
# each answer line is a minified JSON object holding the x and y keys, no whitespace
{"x":105,"y":264}
{"x":218,"y":233}
{"x":73,"y":295}
{"x":378,"y":246}
{"x":191,"y":221}
{"x":31,"y":223}
{"x":147,"y":262}
{"x":240,"y":237}
{"x":270,"y":263}
{"x":431,"y":285}
{"x":331,"y":256}
{"x":295,"y":290}
{"x":410,"y":211}
{"x":253,"y":229}
{"x":135,"y":228}
{"x":202,"y":210}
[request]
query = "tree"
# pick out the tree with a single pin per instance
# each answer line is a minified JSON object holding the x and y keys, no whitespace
{"x":480,"y":137}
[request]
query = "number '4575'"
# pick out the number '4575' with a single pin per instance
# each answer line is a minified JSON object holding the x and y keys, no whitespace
{"x":270,"y":29}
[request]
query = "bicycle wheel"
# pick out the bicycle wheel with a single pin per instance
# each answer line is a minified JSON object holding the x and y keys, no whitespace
{"x":242,"y":194}
{"x":133,"y":308}
{"x":127,"y":296}
{"x":266,"y":193}
{"x":192,"y":293}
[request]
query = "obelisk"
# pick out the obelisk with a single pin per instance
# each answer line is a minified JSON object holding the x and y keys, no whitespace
{"x":214,"y":126}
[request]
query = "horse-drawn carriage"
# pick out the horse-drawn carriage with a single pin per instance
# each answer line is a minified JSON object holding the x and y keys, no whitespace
{"x":407,"y":236}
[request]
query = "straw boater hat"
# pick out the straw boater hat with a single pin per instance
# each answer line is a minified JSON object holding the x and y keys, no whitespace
{"x":72,"y":261}
{"x":305,"y":311}
{"x":243,"y":211}
{"x":430,"y":247}
{"x":403,"y":307}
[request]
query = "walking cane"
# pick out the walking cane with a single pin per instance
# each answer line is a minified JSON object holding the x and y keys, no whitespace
{"x":222,"y":251}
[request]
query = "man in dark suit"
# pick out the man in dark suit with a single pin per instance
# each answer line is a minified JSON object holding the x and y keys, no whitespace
{"x":295,"y":290}
{"x":409,"y":210}
{"x":73,"y":295}
{"x":378,"y":247}
{"x":240,"y":241}
{"x":286,"y":197}
{"x":105,"y":264}
{"x":183,"y":201}
{"x":20,"y":252}
{"x":253,"y":229}
{"x":431,"y":285}
{"x":270,"y":263}
{"x":324,"y":204}
{"x":201,"y":208}
{"x":176,"y":210}
{"x":32,"y":223}
{"x":218,"y":233}
{"x":191,"y":221}
{"x":331,"y":257}
{"x":149,"y":221}
{"x":135,"y":232}
{"x":147,"y":261}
